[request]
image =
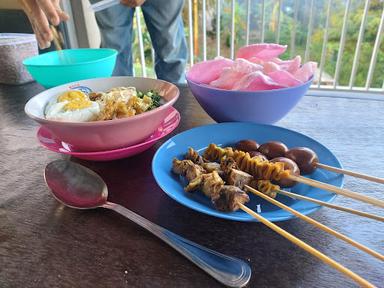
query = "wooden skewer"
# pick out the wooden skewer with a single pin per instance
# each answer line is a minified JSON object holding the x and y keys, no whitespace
{"x":333,"y":206}
{"x":337,"y":190}
{"x":361,"y":281}
{"x":351,"y":173}
{"x":317,"y":224}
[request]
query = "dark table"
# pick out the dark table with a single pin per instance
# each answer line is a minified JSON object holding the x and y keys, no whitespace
{"x":44,"y":244}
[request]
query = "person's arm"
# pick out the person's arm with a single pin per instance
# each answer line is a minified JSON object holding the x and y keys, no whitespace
{"x":42,"y":13}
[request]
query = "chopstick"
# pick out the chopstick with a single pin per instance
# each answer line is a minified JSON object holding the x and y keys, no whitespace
{"x":350,"y":173}
{"x":358,"y":279}
{"x":56,"y":38}
{"x":333,"y":206}
{"x":337,"y":190}
{"x":317,"y":224}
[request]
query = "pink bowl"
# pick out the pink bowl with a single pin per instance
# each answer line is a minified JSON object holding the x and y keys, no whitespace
{"x":105,"y":135}
{"x":169,"y":124}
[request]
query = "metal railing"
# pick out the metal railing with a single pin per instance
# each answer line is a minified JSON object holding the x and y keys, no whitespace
{"x":317,"y":26}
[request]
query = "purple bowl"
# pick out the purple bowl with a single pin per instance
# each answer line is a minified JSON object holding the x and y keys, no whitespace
{"x":266,"y":107}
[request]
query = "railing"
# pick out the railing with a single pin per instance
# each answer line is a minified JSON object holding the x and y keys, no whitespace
{"x":343,"y":36}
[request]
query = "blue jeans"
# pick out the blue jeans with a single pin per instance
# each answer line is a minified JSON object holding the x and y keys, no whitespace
{"x":165,"y":26}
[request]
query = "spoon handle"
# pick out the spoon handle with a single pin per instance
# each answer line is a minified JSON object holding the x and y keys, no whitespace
{"x":230,"y":271}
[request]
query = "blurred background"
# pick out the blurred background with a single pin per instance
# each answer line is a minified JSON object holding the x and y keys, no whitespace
{"x":343,"y":36}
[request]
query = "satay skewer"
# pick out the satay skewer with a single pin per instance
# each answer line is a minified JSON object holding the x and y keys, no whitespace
{"x":329,"y":205}
{"x":337,"y":190}
{"x":213,"y":189}
{"x":306,"y":159}
{"x":316,"y":224}
{"x":350,"y":173}
{"x":257,"y":168}
{"x":358,"y":279}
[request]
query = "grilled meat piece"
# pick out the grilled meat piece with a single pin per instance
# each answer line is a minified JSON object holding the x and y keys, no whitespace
{"x":194,"y":184}
{"x":224,"y":197}
{"x":228,"y":163}
{"x":187,"y":168}
{"x":228,"y":198}
{"x":213,"y":166}
{"x":210,"y":184}
{"x":238,"y":178}
{"x":194,"y":156}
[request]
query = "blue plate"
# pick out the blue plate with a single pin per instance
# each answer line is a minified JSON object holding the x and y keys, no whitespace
{"x":225,"y":134}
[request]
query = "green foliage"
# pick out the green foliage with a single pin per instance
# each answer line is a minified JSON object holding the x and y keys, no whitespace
{"x":353,"y":27}
{"x":147,"y":44}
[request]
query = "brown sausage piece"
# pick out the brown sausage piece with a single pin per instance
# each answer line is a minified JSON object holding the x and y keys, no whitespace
{"x":257,"y":154}
{"x":304,"y":157}
{"x":273,"y":149}
{"x":247,"y":145}
{"x":288,"y":165}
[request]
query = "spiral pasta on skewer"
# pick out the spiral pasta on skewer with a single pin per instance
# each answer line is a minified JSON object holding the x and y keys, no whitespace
{"x":258,"y":168}
{"x":265,"y":187}
{"x":216,"y":153}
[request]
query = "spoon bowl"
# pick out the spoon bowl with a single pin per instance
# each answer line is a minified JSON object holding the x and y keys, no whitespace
{"x":75,"y":186}
{"x":79,"y":187}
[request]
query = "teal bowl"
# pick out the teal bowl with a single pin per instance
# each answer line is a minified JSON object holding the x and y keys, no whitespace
{"x":59,"y":67}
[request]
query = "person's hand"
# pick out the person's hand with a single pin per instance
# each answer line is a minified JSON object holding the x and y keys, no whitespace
{"x":42,"y":13}
{"x":132,"y":3}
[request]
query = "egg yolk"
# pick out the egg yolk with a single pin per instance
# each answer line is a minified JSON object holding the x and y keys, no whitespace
{"x":76,"y":100}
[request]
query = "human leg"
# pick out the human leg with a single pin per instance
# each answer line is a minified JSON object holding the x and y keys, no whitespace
{"x":115,"y":25}
{"x":165,"y":25}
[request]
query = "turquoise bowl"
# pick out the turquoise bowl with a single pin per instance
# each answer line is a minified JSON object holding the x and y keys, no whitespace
{"x":59,"y":67}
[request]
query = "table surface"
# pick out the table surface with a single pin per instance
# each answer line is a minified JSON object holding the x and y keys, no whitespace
{"x":44,"y":244}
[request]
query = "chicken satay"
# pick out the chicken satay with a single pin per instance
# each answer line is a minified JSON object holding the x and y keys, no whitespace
{"x":209,"y":183}
{"x":228,"y":163}
{"x":194,"y":156}
{"x":212,"y":166}
{"x":239,"y":178}
{"x":224,"y":197}
{"x":187,"y":168}
{"x":228,"y":198}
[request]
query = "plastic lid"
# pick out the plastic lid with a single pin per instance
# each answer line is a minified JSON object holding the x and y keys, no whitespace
{"x":16,"y":38}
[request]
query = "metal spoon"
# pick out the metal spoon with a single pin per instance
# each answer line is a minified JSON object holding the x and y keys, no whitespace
{"x":79,"y":187}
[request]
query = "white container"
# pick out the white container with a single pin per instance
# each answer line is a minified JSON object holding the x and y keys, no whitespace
{"x":14,"y":48}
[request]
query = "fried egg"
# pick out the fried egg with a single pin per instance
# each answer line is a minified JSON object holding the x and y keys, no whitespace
{"x":72,"y":106}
